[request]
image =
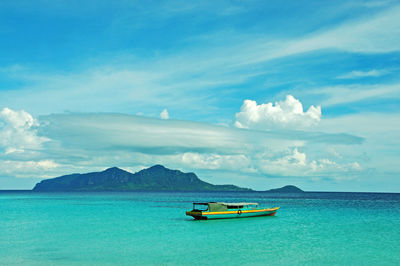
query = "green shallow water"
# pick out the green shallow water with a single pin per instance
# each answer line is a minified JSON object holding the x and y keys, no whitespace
{"x":151,"y":228}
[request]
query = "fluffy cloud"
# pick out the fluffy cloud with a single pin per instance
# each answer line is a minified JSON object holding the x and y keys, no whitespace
{"x":295,"y":163}
{"x":164,"y":114}
{"x":19,"y":131}
{"x":216,"y":161}
{"x":286,"y":114}
{"x":37,"y":169}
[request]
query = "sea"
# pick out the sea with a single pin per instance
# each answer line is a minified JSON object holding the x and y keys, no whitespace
{"x":136,"y":228}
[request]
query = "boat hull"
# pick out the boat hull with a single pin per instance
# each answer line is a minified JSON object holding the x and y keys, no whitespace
{"x":204,"y":215}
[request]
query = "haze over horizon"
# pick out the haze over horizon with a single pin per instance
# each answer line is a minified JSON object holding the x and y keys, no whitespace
{"x":254,"y":94}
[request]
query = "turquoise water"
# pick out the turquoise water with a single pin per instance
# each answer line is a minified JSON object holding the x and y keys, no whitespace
{"x":151,"y":228}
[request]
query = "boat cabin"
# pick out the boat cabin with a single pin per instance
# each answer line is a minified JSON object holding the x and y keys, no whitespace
{"x":223,"y":206}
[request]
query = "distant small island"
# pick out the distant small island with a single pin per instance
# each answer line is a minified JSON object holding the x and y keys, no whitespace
{"x":155,"y":178}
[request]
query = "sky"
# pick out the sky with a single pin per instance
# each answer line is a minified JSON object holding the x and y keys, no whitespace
{"x":259,"y":94}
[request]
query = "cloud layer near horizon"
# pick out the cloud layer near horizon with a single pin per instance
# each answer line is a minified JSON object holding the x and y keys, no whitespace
{"x":84,"y":142}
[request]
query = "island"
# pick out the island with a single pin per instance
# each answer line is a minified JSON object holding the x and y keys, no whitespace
{"x":286,"y":189}
{"x":155,"y":178}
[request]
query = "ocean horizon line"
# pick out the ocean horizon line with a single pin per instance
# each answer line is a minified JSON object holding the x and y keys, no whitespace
{"x":160,"y":191}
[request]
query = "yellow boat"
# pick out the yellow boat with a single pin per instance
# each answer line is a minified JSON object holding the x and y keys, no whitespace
{"x":221,"y":210}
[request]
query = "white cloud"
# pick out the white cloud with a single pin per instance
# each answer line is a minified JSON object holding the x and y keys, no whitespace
{"x":373,"y":35}
{"x":361,"y":74}
{"x":352,"y":93}
{"x":157,"y":136}
{"x":377,"y":34}
{"x":218,"y":162}
{"x":164,"y":114}
{"x":336,"y":171}
{"x":19,"y":131}
{"x":381,"y":130}
{"x":92,"y":142}
{"x":125,"y":140}
{"x":286,"y":114}
{"x":37,"y":169}
{"x":295,"y":163}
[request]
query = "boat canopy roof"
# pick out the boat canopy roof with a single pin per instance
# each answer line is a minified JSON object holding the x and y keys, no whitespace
{"x":231,"y":204}
{"x":237,"y":204}
{"x":224,"y":206}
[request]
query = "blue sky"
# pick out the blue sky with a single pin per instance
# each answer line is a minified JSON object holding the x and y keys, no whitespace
{"x":258,"y":94}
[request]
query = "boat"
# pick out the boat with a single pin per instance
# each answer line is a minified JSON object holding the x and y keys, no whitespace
{"x":221,"y":210}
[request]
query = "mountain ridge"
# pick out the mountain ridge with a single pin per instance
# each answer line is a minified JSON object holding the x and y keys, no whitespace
{"x":154,"y":178}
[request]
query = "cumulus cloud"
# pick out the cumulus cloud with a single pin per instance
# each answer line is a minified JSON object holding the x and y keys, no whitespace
{"x":214,"y":161}
{"x":19,"y":131}
{"x":286,"y":114}
{"x":37,"y":169}
{"x":295,"y":163}
{"x":164,"y":114}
